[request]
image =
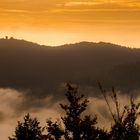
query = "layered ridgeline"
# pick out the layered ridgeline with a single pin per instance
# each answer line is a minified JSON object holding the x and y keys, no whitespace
{"x":29,"y":66}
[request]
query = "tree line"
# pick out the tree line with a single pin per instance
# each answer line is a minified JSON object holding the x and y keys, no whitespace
{"x":76,"y":126}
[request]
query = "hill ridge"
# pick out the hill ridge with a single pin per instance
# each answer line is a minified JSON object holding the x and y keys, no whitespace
{"x":83,"y":43}
{"x":84,"y":63}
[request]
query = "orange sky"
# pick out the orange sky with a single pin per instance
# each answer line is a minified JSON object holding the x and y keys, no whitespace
{"x":57,"y":22}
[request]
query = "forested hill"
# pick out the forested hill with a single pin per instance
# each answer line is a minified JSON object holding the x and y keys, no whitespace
{"x":27,"y":65}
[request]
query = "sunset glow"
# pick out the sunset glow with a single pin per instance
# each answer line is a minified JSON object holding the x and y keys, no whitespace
{"x":57,"y":22}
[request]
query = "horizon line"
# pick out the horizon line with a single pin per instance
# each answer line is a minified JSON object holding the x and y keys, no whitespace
{"x":70,"y":43}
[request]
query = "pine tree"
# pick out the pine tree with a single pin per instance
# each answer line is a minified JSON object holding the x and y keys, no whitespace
{"x":76,"y":126}
{"x":29,"y":129}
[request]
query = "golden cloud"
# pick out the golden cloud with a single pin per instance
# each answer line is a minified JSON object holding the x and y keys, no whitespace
{"x":103,"y":4}
{"x":80,"y":3}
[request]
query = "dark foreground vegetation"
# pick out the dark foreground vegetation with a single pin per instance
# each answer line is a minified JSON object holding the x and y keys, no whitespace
{"x":75,"y":126}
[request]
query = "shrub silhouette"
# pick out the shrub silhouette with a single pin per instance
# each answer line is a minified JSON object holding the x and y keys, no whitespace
{"x":125,"y":126}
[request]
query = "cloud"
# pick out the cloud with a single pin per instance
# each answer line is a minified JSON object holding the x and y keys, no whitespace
{"x":15,"y":104}
{"x":38,"y":6}
{"x":80,"y":3}
{"x":13,"y":11}
{"x":10,"y":99}
{"x":105,"y":5}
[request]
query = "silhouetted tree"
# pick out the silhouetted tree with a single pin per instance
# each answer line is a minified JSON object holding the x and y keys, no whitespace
{"x":29,"y":129}
{"x":54,"y":130}
{"x":125,"y":126}
{"x":78,"y":127}
{"x":73,"y":110}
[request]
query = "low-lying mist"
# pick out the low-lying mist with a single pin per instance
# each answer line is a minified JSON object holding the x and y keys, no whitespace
{"x":15,"y":104}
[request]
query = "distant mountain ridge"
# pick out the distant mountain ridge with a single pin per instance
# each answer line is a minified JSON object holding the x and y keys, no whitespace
{"x":27,"y":65}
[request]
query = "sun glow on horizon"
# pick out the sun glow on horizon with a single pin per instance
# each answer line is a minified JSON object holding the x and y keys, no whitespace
{"x":58,"y":22}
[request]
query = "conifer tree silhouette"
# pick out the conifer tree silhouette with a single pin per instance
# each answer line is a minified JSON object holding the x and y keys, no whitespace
{"x":76,"y":127}
{"x":29,"y":129}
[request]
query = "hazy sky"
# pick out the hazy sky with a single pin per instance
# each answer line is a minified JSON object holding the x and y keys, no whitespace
{"x":57,"y":22}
